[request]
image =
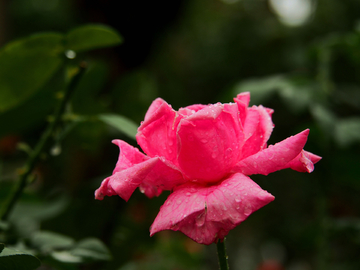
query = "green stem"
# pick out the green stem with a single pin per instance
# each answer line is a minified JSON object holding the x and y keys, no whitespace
{"x":40,"y":146}
{"x":223,"y":258}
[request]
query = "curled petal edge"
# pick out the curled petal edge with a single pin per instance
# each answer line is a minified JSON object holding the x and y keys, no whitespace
{"x":206,"y":214}
{"x":274,"y":157}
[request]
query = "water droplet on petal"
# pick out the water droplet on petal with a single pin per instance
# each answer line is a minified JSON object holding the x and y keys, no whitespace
{"x":188,"y":193}
{"x":204,"y":140}
{"x":247,"y":210}
{"x":178,"y":201}
{"x":200,"y":219}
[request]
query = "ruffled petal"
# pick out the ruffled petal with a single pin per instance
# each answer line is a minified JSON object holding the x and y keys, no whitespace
{"x":153,"y":176}
{"x":134,"y":169}
{"x":128,"y":156}
{"x":157,"y":134}
{"x":209,"y":142}
{"x":206,"y":214}
{"x":257,"y":130}
{"x":303,"y":162}
{"x":274,"y":157}
{"x":242,"y":100}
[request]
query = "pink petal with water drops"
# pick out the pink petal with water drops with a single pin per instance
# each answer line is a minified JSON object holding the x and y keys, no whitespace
{"x":157,"y":134}
{"x":128,"y":156}
{"x":257,"y":130}
{"x":206,"y":214}
{"x":274,"y":157}
{"x":304,"y":162}
{"x":153,"y":175}
{"x":209,"y":142}
{"x":242,"y":100}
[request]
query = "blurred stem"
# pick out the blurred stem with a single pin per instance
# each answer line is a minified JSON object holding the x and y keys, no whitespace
{"x":41,"y":145}
{"x":223,"y":258}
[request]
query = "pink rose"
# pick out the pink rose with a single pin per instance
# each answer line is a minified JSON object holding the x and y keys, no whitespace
{"x":204,"y":154}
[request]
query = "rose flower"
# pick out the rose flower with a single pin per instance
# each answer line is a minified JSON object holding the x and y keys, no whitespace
{"x":204,"y":154}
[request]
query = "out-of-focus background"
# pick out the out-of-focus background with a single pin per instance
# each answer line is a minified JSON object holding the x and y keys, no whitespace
{"x":299,"y":57}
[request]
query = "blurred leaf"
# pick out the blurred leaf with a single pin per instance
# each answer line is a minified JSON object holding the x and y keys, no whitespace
{"x":91,"y":249}
{"x":26,"y":65}
{"x":40,"y":210}
{"x":294,"y":94}
{"x":17,"y":260}
{"x":262,"y":88}
{"x":121,"y":123}
{"x":326,"y":119}
{"x":347,"y":131}
{"x":90,"y":37}
{"x":48,"y":241}
{"x":66,"y":257}
{"x":35,"y":108}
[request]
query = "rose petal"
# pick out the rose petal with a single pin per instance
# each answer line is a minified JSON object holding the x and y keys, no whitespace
{"x":274,"y":157}
{"x":134,"y":169}
{"x":206,"y":214}
{"x":304,"y":162}
{"x":209,"y":142}
{"x":157,"y":134}
{"x":128,"y":156}
{"x":242,"y":100}
{"x":154,"y":174}
{"x":258,"y":127}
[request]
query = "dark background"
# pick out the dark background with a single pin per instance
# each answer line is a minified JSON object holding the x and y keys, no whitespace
{"x":201,"y":51}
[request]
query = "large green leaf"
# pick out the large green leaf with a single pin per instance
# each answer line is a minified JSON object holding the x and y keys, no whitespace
{"x":121,"y":123}
{"x":90,"y":37}
{"x":26,"y":65}
{"x":17,"y":260}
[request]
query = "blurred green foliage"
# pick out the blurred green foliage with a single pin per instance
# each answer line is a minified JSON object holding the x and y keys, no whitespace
{"x":208,"y":52}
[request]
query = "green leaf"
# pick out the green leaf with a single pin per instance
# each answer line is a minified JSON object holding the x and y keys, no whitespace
{"x":91,"y":249}
{"x":48,"y":241}
{"x":66,"y":257}
{"x":121,"y":123}
{"x":347,"y":131}
{"x":92,"y":36}
{"x":26,"y":65}
{"x":17,"y":260}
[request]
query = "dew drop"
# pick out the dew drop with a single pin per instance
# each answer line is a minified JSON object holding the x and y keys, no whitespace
{"x":214,"y":155}
{"x":200,"y":219}
{"x":178,"y":201}
{"x":237,"y":200}
{"x":188,"y":193}
{"x":247,"y":210}
{"x":204,"y":140}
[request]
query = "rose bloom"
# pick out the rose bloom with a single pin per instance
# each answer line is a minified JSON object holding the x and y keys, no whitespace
{"x":204,"y":154}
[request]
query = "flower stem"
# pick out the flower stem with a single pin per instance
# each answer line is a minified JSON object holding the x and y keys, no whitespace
{"x":44,"y":141}
{"x":223,"y":258}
